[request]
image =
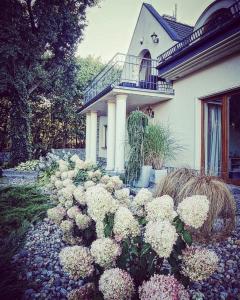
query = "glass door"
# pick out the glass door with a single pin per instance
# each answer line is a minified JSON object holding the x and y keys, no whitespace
{"x":234,"y":138}
{"x":213,"y":137}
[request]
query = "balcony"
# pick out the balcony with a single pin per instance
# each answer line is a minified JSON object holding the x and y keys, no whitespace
{"x":219,"y":36}
{"x":127,"y":72}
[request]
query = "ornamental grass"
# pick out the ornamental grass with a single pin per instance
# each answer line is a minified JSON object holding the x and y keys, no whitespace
{"x":222,"y":205}
{"x":172,"y":184}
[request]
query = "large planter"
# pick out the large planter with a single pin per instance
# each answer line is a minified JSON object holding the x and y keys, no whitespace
{"x":143,"y":181}
{"x":160,"y":175}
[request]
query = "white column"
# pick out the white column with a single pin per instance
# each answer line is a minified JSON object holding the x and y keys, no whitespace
{"x":111,"y":135}
{"x":120,"y":132}
{"x":93,"y":137}
{"x":88,"y":138}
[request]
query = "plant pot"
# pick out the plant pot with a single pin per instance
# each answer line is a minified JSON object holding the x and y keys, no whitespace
{"x":143,"y":181}
{"x":160,"y":175}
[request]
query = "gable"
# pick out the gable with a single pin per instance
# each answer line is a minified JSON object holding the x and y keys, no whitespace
{"x":141,"y":40}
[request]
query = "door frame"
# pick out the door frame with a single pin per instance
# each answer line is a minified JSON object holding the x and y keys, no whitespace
{"x":225,"y":134}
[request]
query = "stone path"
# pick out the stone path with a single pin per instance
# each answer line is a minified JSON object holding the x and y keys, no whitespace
{"x":12,"y":176}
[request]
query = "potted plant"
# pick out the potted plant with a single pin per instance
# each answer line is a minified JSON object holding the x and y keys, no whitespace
{"x":159,"y":146}
{"x":137,"y":173}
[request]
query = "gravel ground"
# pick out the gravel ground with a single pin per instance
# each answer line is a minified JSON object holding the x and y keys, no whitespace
{"x":40,"y":266}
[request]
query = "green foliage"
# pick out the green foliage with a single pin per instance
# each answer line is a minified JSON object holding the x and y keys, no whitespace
{"x":136,"y":126}
{"x":30,"y":165}
{"x":159,"y":145}
{"x":81,"y":177}
{"x":38,"y":42}
{"x":108,"y":225}
{"x":19,"y":207}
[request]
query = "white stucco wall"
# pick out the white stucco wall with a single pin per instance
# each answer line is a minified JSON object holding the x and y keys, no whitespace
{"x":183,"y":113}
{"x":145,"y":27}
{"x":102,"y":152}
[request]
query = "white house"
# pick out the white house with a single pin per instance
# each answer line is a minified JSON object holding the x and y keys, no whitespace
{"x":184,"y":76}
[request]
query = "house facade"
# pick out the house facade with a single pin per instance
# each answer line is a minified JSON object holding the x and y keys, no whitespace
{"x":183,"y":76}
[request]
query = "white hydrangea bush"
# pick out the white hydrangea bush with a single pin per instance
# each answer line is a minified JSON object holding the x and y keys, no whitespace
{"x":125,"y":238}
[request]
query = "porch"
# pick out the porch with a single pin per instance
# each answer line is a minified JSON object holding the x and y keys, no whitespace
{"x":125,"y":84}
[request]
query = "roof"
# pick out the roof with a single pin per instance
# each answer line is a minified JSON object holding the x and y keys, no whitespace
{"x":176,"y":30}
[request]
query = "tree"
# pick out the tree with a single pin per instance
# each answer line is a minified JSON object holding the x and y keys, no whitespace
{"x":38,"y":40}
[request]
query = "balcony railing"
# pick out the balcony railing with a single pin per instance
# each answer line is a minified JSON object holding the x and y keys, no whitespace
{"x":215,"y":25}
{"x":127,"y":71}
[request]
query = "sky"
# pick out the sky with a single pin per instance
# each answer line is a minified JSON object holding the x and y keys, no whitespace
{"x":112,"y":22}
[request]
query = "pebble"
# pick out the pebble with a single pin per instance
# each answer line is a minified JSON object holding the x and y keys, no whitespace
{"x":40,"y":266}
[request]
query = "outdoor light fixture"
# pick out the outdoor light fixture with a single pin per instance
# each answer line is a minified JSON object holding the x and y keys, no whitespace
{"x":155,"y":38}
{"x":141,"y":40}
{"x":150,"y":112}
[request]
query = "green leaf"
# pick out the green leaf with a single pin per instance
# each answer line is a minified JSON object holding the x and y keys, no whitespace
{"x":187,"y":237}
{"x":146,"y":247}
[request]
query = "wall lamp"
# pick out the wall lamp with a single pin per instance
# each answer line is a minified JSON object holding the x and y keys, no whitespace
{"x":155,"y":38}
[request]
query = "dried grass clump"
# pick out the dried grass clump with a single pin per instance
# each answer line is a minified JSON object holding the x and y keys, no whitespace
{"x":222,"y":205}
{"x":173,"y":183}
{"x":185,"y":183}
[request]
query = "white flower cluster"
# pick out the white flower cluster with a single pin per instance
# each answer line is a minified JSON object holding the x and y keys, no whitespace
{"x":160,"y":209}
{"x":125,"y":225}
{"x":73,"y":211}
{"x":88,"y":184}
{"x":105,"y":252}
{"x":163,"y":288}
{"x":95,"y":176}
{"x":140,"y":200}
{"x":111,"y":183}
{"x":77,"y":261}
{"x":161,"y":235}
{"x":82,"y":221}
{"x":123,"y":196}
{"x":67,"y":226}
{"x":193,"y":210}
{"x":79,"y":195}
{"x":100,"y":202}
{"x":116,"y":284}
{"x":56,"y":214}
{"x":63,"y":165}
{"x":199,"y":263}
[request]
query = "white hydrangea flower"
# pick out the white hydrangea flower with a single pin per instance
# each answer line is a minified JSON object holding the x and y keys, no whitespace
{"x":100,"y":202}
{"x":105,"y":252}
{"x":122,"y":193}
{"x":71,"y":174}
{"x":58,"y":184}
{"x":100,"y":229}
{"x":117,"y":182}
{"x":67,"y":193}
{"x":193,"y":210}
{"x":125,"y":225}
{"x":94,"y":175}
{"x":63,"y":165}
{"x":58,"y":174}
{"x":77,"y":261}
{"x":88,"y":184}
{"x":53,"y":179}
{"x":137,"y":206}
{"x":73,"y":211}
{"x":105,"y":179}
{"x":116,"y":284}
{"x":67,"y":226}
{"x":161,"y":208}
{"x":161,"y":235}
{"x":67,"y":182}
{"x":74,"y":158}
{"x":199,"y":263}
{"x":79,"y":195}
{"x":56,"y":214}
{"x":68,"y":203}
{"x":64,"y":175}
{"x":82,"y":221}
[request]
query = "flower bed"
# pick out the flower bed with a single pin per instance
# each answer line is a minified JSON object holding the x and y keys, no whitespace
{"x":121,"y":243}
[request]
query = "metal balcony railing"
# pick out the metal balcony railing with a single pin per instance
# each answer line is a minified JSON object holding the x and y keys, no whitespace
{"x":127,"y":71}
{"x":215,"y":25}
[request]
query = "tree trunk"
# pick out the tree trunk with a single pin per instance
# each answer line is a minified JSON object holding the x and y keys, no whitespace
{"x":20,"y":130}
